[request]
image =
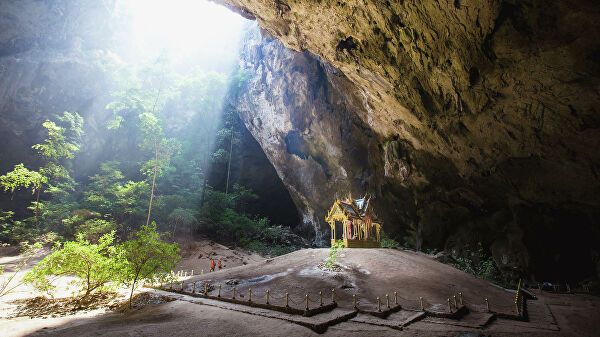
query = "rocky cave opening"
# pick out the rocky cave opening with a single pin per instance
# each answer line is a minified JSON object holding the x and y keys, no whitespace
{"x":471,"y":124}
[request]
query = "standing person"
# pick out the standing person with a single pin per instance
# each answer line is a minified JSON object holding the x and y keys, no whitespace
{"x":212,"y":265}
{"x":220,"y":265}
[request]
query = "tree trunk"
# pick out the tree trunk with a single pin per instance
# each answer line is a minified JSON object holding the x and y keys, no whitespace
{"x":131,"y":294}
{"x":153,"y":181}
{"x":229,"y":163}
{"x":155,"y":148}
{"x":37,"y":209}
{"x":205,"y":173}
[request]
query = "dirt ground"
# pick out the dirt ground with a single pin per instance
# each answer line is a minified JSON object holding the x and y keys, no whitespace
{"x":367,"y":273}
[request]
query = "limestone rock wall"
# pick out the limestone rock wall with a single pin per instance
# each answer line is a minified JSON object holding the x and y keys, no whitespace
{"x":484,"y":116}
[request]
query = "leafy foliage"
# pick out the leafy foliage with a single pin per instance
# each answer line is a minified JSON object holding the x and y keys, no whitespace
{"x":335,"y":251}
{"x":62,"y":141}
{"x":21,"y":177}
{"x":147,"y":257}
{"x":478,"y":262}
{"x":387,"y":242}
{"x":95,"y":266}
{"x":182,"y":217}
{"x":169,"y":138}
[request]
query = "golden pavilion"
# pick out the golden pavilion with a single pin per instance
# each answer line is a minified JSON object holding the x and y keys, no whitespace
{"x":356,"y":222}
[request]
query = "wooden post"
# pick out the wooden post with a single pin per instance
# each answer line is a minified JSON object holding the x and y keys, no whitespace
{"x":249,"y":295}
{"x":449,"y":307}
{"x":287,"y":300}
{"x":387,"y":299}
{"x":422,"y":307}
{"x":487,"y":304}
{"x":192,"y":272}
{"x":354,"y":300}
{"x":268,"y":292}
{"x":219,"y":291}
{"x":194,"y":288}
{"x":205,"y":288}
{"x":171,"y":287}
{"x":455,"y":303}
{"x":306,"y":302}
{"x":378,"y":304}
{"x":395,"y":297}
{"x":460,"y":297}
{"x":181,"y":286}
{"x":233,"y":292}
{"x":320,"y":298}
{"x":185,"y":275}
{"x":333,"y":295}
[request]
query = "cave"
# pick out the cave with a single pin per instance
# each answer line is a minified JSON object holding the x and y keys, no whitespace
{"x":472,"y":127}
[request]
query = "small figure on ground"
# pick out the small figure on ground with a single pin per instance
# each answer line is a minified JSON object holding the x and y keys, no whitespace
{"x":212,"y":265}
{"x":220,"y":265}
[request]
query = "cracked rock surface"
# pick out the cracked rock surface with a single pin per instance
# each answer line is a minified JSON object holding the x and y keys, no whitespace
{"x":471,"y":121}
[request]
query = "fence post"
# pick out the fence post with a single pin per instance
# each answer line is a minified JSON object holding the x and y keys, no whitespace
{"x":378,"y":304}
{"x":333,"y":295}
{"x":320,"y":298}
{"x":422,"y":307}
{"x":205,"y":289}
{"x":233,"y":292}
{"x":395,"y":297}
{"x":449,"y":307}
{"x":487,"y":304}
{"x":171,"y":287}
{"x":185,"y":275}
{"x":460,"y":297}
{"x":387,"y":299}
{"x":181,"y":286}
{"x":249,"y":295}
{"x":192,"y":272}
{"x":194,"y":288}
{"x":306,"y":302}
{"x":455,"y":303}
{"x":287,"y":300}
{"x":268,"y":296}
{"x":219,"y":291}
{"x":354,"y":299}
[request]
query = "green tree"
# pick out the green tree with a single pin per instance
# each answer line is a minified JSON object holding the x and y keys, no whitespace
{"x":130,"y":202}
{"x":63,"y":141}
{"x":102,"y":193}
{"x":21,"y":177}
{"x":147,"y":257}
{"x":96,"y":266}
{"x":182,"y":217}
{"x":162,"y":148}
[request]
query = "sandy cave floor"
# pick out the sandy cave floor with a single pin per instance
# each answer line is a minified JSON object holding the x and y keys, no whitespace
{"x":366,"y":273}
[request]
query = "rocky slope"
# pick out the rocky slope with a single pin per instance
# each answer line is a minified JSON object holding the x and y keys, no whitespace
{"x":469,"y":121}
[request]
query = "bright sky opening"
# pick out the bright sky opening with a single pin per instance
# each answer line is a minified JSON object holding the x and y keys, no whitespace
{"x":188,"y":30}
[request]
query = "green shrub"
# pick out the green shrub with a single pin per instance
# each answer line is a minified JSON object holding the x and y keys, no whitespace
{"x":147,"y":258}
{"x":335,"y":251}
{"x":387,"y":242}
{"x":95,"y":266}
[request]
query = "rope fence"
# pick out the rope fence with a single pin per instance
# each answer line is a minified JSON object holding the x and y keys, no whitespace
{"x":453,"y":307}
